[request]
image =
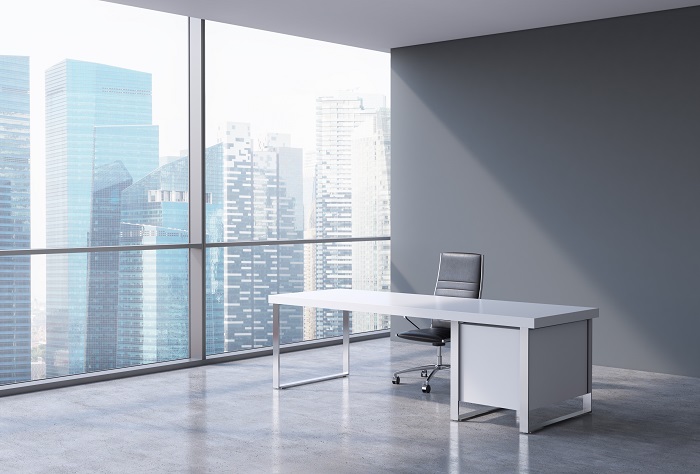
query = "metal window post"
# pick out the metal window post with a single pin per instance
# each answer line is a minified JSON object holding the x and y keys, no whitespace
{"x":197,"y":228}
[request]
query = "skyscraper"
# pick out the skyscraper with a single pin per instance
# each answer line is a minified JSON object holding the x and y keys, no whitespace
{"x":237,"y":164}
{"x":95,"y":115}
{"x":371,"y":173}
{"x":103,"y":267}
{"x":336,"y":119}
{"x":214,"y":275}
{"x":153,"y":317}
{"x":15,"y":271}
{"x":113,"y":146}
{"x":279,"y":189}
{"x":263,"y":201}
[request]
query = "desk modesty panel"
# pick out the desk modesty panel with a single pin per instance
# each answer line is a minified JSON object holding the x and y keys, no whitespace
{"x":467,"y":310}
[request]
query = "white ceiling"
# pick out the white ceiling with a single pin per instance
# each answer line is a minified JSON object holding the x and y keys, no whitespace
{"x":385,"y":24}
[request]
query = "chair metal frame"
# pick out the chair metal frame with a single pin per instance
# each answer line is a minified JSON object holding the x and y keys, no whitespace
{"x":435,"y":368}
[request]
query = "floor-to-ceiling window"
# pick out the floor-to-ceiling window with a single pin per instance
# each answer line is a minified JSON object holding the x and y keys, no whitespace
{"x":95,"y":225}
{"x":297,"y":149}
{"x":93,"y":121}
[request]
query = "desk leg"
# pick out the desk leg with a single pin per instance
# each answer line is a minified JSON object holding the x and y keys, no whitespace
{"x":456,"y":379}
{"x":276,"y":353}
{"x":588,"y":398}
{"x":454,"y":371}
{"x":276,"y":346}
{"x":346,"y":342}
{"x":524,"y":411}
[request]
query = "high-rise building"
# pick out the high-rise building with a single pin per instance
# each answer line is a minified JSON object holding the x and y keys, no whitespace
{"x":237,"y":164}
{"x":371,"y":173}
{"x":279,"y":178}
{"x":113,"y":146}
{"x":96,"y":115}
{"x":336,"y":119}
{"x":214,"y":275}
{"x":153,"y":316}
{"x":263,"y":201}
{"x":309,"y":234}
{"x":15,"y":271}
{"x":103,"y":267}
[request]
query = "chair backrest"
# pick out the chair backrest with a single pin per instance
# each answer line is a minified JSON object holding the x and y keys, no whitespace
{"x":459,"y":275}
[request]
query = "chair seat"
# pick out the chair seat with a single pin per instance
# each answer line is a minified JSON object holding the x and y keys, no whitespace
{"x":436,"y":336}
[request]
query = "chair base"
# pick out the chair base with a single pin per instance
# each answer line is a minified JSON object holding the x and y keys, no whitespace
{"x":424,"y":370}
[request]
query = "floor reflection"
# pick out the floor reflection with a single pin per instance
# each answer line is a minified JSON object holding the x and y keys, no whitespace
{"x":276,"y":438}
{"x":197,"y":419}
{"x":524,"y":453}
{"x":454,"y":466}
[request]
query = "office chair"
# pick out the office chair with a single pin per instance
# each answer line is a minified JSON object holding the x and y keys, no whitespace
{"x":459,"y":275}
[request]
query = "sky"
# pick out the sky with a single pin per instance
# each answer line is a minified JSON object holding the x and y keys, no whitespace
{"x":272,"y":80}
{"x":266,"y":79}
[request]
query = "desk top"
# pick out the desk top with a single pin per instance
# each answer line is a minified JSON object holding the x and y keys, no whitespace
{"x":467,"y":310}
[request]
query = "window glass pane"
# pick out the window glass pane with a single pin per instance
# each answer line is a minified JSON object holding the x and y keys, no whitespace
{"x":297,"y":136}
{"x":15,"y":226}
{"x":16,"y":318}
{"x":93,"y":121}
{"x":239,"y":316}
{"x":298,"y":146}
{"x":133,"y":309}
{"x":108,"y":116}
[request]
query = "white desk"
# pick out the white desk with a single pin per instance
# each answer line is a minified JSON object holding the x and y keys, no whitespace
{"x":504,"y":354}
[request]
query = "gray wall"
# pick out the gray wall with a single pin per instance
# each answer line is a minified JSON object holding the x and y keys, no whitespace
{"x":570,"y":157}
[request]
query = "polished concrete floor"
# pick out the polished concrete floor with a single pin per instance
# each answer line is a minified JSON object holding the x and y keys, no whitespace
{"x":226,"y":418}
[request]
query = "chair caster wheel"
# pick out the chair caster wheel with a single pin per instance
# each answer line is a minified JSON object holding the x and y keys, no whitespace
{"x":423,"y":373}
{"x":426,"y":388}
{"x":396,"y":380}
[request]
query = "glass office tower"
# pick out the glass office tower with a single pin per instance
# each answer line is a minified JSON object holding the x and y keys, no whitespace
{"x":153,"y":321}
{"x":336,"y":119}
{"x":279,"y":214}
{"x":15,"y":271}
{"x":113,"y":145}
{"x":96,"y":115}
{"x":103,"y":276}
{"x":371,"y":198}
{"x":214,"y":275}
{"x":263,"y":201}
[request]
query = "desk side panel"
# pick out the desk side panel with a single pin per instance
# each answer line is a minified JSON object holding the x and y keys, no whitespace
{"x":558,"y":363}
{"x":489,"y":365}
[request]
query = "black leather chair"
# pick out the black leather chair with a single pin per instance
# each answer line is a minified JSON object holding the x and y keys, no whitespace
{"x":459,"y":275}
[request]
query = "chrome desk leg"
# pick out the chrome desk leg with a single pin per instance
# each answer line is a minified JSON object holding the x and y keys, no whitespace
{"x":346,"y":342}
{"x":276,"y":353}
{"x":524,"y":411}
{"x":478,"y":412}
{"x":454,"y":371}
{"x":588,"y":403}
{"x":455,"y":380}
{"x":276,"y":346}
{"x":586,"y":410}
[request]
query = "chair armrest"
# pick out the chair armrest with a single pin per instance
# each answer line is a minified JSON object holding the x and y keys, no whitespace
{"x":409,"y":320}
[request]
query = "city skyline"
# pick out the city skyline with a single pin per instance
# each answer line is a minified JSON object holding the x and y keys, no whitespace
{"x":114,"y":152}
{"x":284,"y":74}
